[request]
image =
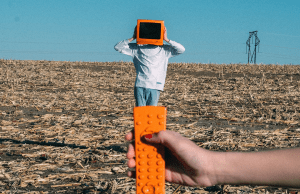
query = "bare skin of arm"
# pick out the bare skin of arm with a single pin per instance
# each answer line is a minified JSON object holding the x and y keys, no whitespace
{"x":188,"y":164}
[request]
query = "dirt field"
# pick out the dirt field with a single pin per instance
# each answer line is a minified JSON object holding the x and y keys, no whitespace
{"x":62,"y":124}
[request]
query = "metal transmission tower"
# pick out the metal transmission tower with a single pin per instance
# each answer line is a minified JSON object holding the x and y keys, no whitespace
{"x":252,"y":57}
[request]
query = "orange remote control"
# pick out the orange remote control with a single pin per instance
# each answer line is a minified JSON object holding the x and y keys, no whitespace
{"x":150,"y":159}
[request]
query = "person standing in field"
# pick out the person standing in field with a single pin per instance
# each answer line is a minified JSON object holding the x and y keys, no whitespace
{"x":151,"y":64}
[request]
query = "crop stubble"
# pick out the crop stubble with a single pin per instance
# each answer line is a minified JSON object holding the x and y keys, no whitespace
{"x":62,"y":124}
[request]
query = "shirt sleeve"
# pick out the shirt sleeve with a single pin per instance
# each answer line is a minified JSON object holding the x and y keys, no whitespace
{"x":126,"y":48}
{"x":174,"y":49}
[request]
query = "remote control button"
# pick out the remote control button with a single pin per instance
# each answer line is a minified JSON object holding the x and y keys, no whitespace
{"x":141,"y":177}
{"x":142,"y":170}
{"x":159,"y":169}
{"x":138,"y":122}
{"x":150,"y":163}
{"x":149,"y":130}
{"x":150,"y":176}
{"x":151,"y":170}
{"x":148,"y":189}
{"x":160,"y":116}
{"x":150,"y":184}
{"x":159,"y":162}
{"x":159,"y":176}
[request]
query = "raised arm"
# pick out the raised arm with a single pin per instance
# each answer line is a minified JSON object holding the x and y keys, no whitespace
{"x":126,"y":48}
{"x":174,"y":48}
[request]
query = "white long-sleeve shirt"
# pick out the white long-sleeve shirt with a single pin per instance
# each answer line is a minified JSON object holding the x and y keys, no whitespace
{"x":150,"y":61}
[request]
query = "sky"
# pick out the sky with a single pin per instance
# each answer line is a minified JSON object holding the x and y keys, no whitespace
{"x":212,"y":31}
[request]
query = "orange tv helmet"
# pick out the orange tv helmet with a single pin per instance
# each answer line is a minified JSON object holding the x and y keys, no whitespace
{"x":150,"y":32}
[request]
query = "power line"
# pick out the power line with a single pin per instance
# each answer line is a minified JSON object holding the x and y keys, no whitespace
{"x":287,"y":35}
{"x":282,"y":47}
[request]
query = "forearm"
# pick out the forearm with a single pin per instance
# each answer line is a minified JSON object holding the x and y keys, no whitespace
{"x":125,"y":48}
{"x":277,"y":168}
{"x":121,"y":45}
{"x":178,"y":48}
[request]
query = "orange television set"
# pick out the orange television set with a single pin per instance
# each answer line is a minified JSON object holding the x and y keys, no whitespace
{"x":150,"y":32}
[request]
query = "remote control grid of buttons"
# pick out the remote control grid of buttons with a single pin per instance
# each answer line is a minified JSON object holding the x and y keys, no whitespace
{"x":150,"y":159}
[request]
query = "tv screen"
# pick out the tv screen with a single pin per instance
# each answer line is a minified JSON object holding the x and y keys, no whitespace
{"x":150,"y":30}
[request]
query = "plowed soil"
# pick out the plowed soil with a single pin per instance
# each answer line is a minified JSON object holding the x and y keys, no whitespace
{"x":62,"y":124}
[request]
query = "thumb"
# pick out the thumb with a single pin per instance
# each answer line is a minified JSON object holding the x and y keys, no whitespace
{"x":175,"y":142}
{"x":152,"y":138}
{"x":166,"y":138}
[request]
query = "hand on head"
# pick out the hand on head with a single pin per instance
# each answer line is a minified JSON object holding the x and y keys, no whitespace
{"x":166,"y":35}
{"x":134,"y":33}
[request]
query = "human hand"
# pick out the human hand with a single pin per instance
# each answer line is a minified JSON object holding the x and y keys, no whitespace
{"x":133,"y":36}
{"x":186,"y":163}
{"x":134,"y":33}
{"x":166,"y":35}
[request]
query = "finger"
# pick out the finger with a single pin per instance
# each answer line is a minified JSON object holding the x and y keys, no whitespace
{"x":177,"y":145}
{"x":131,"y":174}
{"x":153,"y":138}
{"x":131,"y":163}
{"x":129,"y":136}
{"x":130,"y":152}
{"x":169,"y":139}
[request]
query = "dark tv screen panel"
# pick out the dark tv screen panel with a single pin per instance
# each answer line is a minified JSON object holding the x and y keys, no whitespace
{"x":150,"y":30}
